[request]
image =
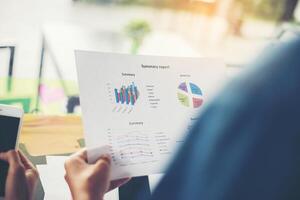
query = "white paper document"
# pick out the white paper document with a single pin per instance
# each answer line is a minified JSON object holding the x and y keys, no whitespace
{"x":140,"y":108}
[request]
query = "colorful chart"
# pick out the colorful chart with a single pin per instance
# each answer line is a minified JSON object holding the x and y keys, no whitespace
{"x":190,"y":95}
{"x":127,"y":95}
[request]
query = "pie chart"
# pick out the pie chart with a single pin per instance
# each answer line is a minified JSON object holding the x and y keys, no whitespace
{"x":190,"y":95}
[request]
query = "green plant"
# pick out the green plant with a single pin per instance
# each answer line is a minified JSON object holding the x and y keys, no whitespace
{"x":137,"y":30}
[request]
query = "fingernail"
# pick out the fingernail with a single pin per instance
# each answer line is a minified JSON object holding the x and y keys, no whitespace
{"x":105,"y":157}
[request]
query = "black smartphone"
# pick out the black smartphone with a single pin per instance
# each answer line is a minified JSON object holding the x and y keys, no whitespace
{"x":10,"y":125}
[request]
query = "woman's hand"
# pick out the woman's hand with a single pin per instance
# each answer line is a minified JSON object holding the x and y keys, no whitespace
{"x":22,"y":176}
{"x":89,"y":181}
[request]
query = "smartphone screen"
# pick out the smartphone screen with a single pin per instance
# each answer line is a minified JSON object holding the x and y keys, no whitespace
{"x":8,"y":136}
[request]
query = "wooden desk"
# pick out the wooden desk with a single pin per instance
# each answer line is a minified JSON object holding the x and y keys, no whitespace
{"x":49,"y":135}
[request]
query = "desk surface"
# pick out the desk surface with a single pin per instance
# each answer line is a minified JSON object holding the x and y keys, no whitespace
{"x":49,"y":135}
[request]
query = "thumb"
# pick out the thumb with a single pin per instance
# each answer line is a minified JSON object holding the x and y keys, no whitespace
{"x":103,"y":164}
{"x":103,"y":167}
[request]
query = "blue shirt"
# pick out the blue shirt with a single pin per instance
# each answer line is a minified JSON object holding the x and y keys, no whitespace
{"x":246,"y":144}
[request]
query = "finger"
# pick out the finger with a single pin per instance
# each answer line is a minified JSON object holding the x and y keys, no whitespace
{"x":117,"y":183}
{"x":106,"y":158}
{"x":27,"y":164}
{"x":32,"y":176}
{"x":12,"y":157}
{"x":103,"y":163}
{"x":103,"y":166}
{"x":32,"y":180}
{"x":31,"y":172}
{"x":77,"y":159}
{"x":82,"y":154}
{"x":4,"y":156}
{"x":103,"y":172}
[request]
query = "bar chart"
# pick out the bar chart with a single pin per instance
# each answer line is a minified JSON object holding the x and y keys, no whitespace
{"x":127,"y":95}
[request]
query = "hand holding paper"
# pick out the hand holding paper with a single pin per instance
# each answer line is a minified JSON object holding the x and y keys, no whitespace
{"x":90,"y":181}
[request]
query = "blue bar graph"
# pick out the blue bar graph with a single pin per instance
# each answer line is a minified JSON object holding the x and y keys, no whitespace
{"x":127,"y":95}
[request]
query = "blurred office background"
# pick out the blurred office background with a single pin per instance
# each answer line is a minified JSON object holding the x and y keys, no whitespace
{"x":38,"y":38}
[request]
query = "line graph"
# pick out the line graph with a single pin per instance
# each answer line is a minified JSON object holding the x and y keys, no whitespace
{"x":135,"y":147}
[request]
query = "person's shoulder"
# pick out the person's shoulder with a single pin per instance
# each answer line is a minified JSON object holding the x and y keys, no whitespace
{"x":273,"y":77}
